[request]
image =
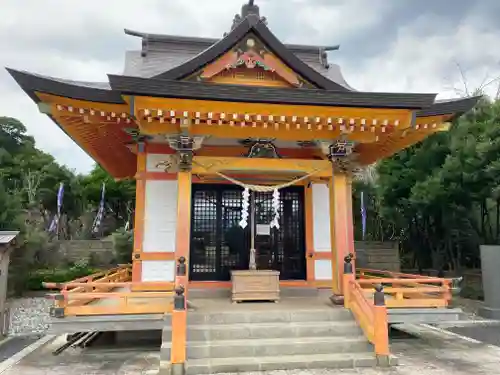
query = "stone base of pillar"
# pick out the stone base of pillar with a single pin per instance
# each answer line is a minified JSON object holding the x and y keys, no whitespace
{"x":489,"y":313}
{"x":337,"y":299}
{"x":166,"y":368}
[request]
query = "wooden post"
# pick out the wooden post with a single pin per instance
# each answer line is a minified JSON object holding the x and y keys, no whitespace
{"x":350,"y":225}
{"x":309,"y":228}
{"x":348,"y":277}
{"x":381,"y":327}
{"x":179,"y":333}
{"x":183,"y":229}
{"x":140,"y":207}
{"x":183,"y":234}
{"x":341,"y":227}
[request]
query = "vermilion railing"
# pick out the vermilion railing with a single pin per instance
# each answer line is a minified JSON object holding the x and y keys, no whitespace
{"x":407,"y":290}
{"x":370,"y":313}
{"x":107,"y":292}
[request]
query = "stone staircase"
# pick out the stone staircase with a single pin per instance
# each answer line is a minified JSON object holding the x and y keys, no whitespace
{"x":240,"y":341}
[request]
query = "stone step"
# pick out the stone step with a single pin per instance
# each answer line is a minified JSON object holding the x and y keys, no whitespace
{"x":423,"y":315}
{"x":286,"y":362}
{"x":272,"y":347}
{"x":241,"y":331}
{"x":284,"y":292}
{"x":313,"y":315}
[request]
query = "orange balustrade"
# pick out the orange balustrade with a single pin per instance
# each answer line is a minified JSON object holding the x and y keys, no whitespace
{"x":371,"y":314}
{"x":407,"y":290}
{"x":107,"y":292}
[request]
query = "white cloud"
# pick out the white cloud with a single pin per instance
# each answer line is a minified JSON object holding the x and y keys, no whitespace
{"x":430,"y":63}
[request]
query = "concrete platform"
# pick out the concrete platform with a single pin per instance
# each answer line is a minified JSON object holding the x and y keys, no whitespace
{"x":139,"y":322}
{"x":423,"y":315}
{"x":203,"y":301}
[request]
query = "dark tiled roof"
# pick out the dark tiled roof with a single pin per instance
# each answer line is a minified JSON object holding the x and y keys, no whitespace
{"x":253,"y":24}
{"x":448,"y":106}
{"x":206,"y":91}
{"x":112,"y":93}
{"x":207,"y":42}
{"x":165,"y":56}
{"x":91,"y":91}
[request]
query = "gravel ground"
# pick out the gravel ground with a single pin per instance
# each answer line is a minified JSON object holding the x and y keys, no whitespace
{"x":29,"y":316}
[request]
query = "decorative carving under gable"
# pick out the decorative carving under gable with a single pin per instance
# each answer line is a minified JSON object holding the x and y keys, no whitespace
{"x":251,"y":54}
{"x":136,"y":135}
{"x":170,"y":164}
{"x":341,"y":153}
{"x":263,"y":148}
{"x":340,"y":149}
{"x":185,"y":146}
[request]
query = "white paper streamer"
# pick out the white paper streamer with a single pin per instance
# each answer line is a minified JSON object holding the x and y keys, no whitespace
{"x":275,"y":223}
{"x":244,"y":208}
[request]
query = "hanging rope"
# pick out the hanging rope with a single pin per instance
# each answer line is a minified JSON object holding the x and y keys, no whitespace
{"x":263,"y":188}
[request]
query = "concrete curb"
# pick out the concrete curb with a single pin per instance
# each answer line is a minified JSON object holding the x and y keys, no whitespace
{"x":461,"y":337}
{"x":16,"y":358}
{"x":453,"y":334}
{"x":467,"y":323}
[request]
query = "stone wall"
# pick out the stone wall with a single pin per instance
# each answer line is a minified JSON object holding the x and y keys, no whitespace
{"x":99,"y":251}
{"x":377,"y":255}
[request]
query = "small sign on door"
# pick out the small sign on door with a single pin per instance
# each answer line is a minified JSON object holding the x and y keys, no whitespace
{"x":263,"y":230}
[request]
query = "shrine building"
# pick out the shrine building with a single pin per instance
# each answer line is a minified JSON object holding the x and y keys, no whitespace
{"x":244,"y":150}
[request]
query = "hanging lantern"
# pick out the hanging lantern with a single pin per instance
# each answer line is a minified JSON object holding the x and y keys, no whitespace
{"x":275,"y":223}
{"x":244,"y":208}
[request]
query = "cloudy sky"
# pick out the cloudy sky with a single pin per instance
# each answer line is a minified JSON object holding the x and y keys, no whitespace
{"x":386,"y":45}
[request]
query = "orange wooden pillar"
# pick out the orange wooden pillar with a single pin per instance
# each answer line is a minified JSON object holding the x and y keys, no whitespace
{"x":341,"y":231}
{"x":183,"y":234}
{"x":350,"y":225}
{"x":140,"y":208}
{"x":183,"y":226}
{"x":308,"y":198}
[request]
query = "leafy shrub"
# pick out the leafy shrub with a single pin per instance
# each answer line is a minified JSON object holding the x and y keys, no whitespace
{"x":123,"y":245}
{"x":36,"y":278}
{"x":472,"y":293}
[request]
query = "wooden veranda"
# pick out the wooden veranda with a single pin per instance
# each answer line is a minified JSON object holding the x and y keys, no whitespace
{"x":371,"y":295}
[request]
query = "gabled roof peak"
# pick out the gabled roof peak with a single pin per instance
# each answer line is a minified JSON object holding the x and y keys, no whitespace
{"x":248,"y":10}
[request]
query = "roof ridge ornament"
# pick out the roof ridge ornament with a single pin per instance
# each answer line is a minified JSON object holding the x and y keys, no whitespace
{"x":247,"y":10}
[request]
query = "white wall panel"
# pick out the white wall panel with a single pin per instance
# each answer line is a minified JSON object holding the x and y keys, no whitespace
{"x":158,"y":270}
{"x":323,"y":269}
{"x":160,"y":216}
{"x":321,"y":218}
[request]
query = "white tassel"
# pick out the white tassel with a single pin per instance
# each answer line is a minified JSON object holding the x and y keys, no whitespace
{"x":275,"y":223}
{"x":244,"y":208}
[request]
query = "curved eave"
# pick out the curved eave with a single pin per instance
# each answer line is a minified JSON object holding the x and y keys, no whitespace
{"x":207,"y":42}
{"x":429,"y":121}
{"x":32,"y":83}
{"x":107,"y":148}
{"x":455,"y":107}
{"x":252,"y":23}
{"x":251,"y":94}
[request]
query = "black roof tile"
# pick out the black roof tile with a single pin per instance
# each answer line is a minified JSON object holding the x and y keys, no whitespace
{"x":240,"y":93}
{"x":254,"y":24}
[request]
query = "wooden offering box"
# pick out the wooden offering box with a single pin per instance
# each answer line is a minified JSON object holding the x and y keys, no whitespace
{"x":255,"y":285}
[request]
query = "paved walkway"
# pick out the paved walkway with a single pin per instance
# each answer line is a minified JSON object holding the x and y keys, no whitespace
{"x":489,"y":334}
{"x":432,"y":353}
